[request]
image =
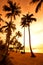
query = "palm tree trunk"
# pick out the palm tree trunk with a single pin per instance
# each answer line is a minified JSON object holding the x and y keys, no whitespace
{"x":11,"y":18}
{"x":32,"y":54}
{"x":24,"y":39}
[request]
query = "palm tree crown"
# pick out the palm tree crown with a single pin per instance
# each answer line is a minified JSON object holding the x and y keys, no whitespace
{"x":9,"y":25}
{"x":13,"y":9}
{"x":27,"y":19}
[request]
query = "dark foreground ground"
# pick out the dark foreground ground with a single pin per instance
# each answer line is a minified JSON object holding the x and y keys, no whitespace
{"x":23,"y":59}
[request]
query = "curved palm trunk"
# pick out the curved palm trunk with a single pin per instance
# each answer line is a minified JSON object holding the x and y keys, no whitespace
{"x":8,"y":40}
{"x":24,"y":39}
{"x":32,"y":54}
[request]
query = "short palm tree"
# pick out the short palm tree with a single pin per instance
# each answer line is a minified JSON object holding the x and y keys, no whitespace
{"x":39,"y":4}
{"x":13,"y":9}
{"x":18,"y":34}
{"x":8,"y":28}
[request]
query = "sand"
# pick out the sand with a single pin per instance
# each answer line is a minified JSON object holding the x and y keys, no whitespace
{"x":24,"y":59}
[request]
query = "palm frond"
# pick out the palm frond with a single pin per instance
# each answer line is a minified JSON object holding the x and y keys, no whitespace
{"x":1,"y":19}
{"x":18,"y":12}
{"x":13,"y":27}
{"x":1,"y":30}
{"x":31,"y":15}
{"x":3,"y":27}
{"x":8,"y":15}
{"x":33,"y":19}
{"x":10,"y":4}
{"x":38,"y":6}
{"x":6,"y":8}
{"x":33,"y":1}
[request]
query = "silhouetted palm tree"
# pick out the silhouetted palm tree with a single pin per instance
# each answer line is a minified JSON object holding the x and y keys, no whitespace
{"x":23,"y":24}
{"x":39,"y":4}
{"x":18,"y":46}
{"x":27,"y":20}
{"x":18,"y":34}
{"x":13,"y":10}
{"x":8,"y":28}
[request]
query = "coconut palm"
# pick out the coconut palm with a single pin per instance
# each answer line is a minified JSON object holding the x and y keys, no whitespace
{"x":27,"y":19}
{"x":8,"y":28}
{"x":23,"y":24}
{"x":13,"y":10}
{"x":39,"y":4}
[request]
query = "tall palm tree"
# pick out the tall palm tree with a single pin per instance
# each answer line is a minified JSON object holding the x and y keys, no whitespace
{"x":27,"y":20}
{"x":8,"y":28}
{"x":13,"y":10}
{"x":39,"y":4}
{"x":23,"y":24}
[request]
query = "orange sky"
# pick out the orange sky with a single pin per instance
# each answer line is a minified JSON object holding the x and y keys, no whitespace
{"x":36,"y":27}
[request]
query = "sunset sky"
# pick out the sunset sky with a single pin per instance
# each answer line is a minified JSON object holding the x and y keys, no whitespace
{"x":36,"y":28}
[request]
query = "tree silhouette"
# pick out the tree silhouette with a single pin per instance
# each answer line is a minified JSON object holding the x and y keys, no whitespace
{"x":18,"y":34}
{"x":13,"y":10}
{"x":23,"y":24}
{"x":18,"y":46}
{"x":8,"y":28}
{"x":27,"y":20}
{"x":1,"y":31}
{"x":39,"y":4}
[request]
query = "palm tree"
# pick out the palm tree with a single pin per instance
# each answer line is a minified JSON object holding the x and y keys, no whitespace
{"x":23,"y":24}
{"x":39,"y":4}
{"x":8,"y":28}
{"x":13,"y":10}
{"x":18,"y":34}
{"x":27,"y":20}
